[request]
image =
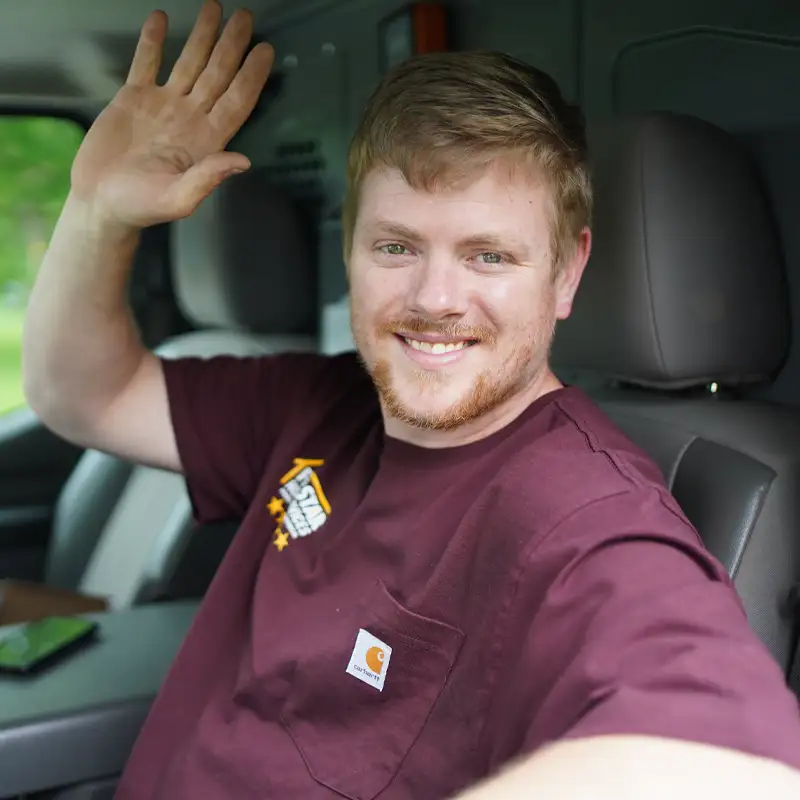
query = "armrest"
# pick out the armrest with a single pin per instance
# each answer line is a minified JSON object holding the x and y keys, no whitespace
{"x":77,"y":721}
{"x":21,"y":601}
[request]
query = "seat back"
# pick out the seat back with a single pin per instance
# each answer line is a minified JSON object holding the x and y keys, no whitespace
{"x":680,"y":312}
{"x":242,"y":269}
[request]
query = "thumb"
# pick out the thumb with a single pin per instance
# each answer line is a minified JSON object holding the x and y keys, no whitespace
{"x":186,"y":194}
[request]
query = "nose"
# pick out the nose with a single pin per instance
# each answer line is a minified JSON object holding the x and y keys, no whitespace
{"x":438,"y":288}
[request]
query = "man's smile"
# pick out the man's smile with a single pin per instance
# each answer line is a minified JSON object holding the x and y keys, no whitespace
{"x":434,"y":349}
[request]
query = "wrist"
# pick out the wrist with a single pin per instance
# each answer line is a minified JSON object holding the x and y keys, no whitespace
{"x":92,"y":219}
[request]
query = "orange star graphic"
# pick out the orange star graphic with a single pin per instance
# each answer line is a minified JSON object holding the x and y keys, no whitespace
{"x":281,"y":540}
{"x":275,"y":506}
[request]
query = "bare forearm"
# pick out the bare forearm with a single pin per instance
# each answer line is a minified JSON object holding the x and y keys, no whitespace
{"x":80,"y":345}
{"x":637,"y":768}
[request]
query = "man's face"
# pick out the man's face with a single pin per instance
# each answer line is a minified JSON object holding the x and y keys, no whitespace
{"x":453,"y":300}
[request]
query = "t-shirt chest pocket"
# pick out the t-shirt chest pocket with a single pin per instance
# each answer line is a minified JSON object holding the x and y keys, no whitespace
{"x":355,"y":711}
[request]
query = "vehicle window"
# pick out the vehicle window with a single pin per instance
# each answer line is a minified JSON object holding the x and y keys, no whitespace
{"x":36,"y":155}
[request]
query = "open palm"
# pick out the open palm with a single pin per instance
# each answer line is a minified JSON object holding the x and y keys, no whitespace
{"x":157,"y":151}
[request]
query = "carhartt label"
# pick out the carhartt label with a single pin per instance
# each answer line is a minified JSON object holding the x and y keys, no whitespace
{"x":370,"y":660}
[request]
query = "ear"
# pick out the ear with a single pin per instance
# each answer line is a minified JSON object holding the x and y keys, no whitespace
{"x":570,"y":275}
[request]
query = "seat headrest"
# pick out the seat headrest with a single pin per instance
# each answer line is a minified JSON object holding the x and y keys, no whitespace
{"x":244,"y":261}
{"x":684,"y":286}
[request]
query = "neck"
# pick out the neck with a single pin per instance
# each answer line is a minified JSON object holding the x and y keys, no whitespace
{"x":479,"y":428}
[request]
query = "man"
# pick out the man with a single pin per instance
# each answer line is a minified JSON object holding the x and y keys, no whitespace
{"x":448,"y":562}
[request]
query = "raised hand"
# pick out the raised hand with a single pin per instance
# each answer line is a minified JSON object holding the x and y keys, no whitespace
{"x":157,"y":151}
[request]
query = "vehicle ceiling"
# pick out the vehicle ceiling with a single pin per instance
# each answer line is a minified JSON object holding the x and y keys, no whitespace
{"x":79,"y":51}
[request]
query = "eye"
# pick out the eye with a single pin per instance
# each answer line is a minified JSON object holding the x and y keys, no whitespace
{"x":394,"y":249}
{"x":491,"y":258}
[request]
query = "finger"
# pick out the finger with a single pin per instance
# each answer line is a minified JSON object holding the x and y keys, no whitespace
{"x":198,"y":47}
{"x":149,"y":49}
{"x":199,"y":181}
{"x":225,"y":60}
{"x":240,"y":98}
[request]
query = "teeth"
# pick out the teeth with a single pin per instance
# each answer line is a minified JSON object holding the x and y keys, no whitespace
{"x":437,"y":348}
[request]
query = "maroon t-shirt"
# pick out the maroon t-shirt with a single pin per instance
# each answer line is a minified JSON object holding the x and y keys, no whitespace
{"x":398,"y":622}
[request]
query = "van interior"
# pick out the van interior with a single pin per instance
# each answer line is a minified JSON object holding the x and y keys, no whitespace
{"x":684,"y":329}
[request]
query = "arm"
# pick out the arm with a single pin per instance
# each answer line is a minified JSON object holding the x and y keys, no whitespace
{"x":87,"y":375}
{"x":638,"y":768}
{"x":152,"y":156}
{"x":634,"y":672}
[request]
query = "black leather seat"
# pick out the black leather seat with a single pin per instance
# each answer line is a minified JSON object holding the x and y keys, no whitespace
{"x":682,"y":308}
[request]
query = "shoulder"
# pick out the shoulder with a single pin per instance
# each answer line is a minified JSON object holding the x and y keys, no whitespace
{"x":322,"y":399}
{"x":339,"y":373}
{"x":294,"y":391}
{"x":293,"y":374}
{"x":326,"y":383}
{"x":580,"y":464}
{"x":590,"y":441}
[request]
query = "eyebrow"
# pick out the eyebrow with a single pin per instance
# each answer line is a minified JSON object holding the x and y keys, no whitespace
{"x":396,"y":229}
{"x":491,"y":241}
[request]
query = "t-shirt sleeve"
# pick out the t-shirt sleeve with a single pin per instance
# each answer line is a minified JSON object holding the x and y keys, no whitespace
{"x":635,"y":629}
{"x":227,"y":413}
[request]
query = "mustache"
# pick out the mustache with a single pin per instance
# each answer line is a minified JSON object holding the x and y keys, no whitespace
{"x":449,"y":330}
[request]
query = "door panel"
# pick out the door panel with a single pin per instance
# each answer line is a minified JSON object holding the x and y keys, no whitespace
{"x":34,"y":465}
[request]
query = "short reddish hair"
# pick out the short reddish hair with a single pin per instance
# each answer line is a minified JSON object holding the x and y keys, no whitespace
{"x":445,"y":117}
